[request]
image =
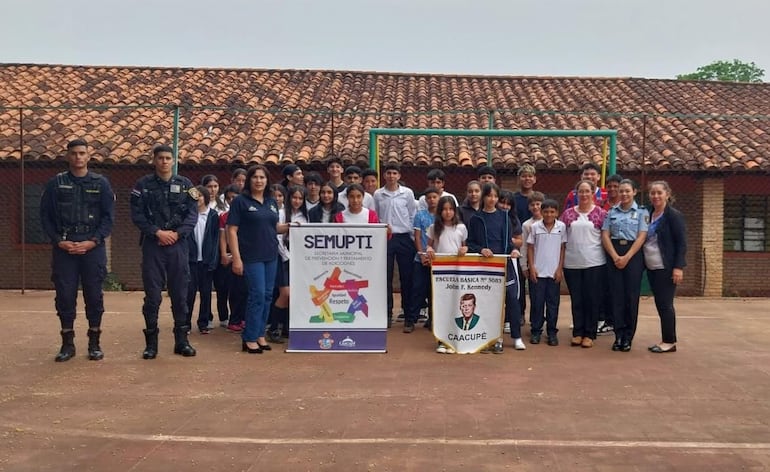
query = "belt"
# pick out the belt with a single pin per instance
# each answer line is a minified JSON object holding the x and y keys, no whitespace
{"x":624,"y":242}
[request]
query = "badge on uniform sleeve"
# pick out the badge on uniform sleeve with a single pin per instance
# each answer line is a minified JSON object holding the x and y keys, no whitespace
{"x":194,"y":193}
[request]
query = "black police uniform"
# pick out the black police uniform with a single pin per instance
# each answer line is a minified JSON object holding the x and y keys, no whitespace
{"x":165,"y":205}
{"x":78,"y":209}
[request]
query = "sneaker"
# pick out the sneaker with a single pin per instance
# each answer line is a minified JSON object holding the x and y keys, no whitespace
{"x":535,"y":339}
{"x":519,"y":345}
{"x":441,"y":349}
{"x":604,"y":329}
{"x":498,"y":349}
{"x":553,"y":341}
{"x":205,"y":331}
{"x":401,"y":316}
{"x":211,"y":325}
{"x":274,"y":336}
{"x":234,"y":328}
{"x":223,"y":324}
{"x":408,"y":327}
{"x":507,"y":328}
{"x":423,"y":314}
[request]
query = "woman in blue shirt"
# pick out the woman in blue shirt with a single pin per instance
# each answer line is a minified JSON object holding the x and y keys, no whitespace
{"x":623,"y":234}
{"x":252,"y":229}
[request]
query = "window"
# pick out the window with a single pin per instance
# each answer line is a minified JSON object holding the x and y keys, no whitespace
{"x":746,"y":220}
{"x":33,"y":229}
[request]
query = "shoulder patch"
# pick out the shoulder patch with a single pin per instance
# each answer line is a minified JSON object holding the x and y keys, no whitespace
{"x":194,"y":193}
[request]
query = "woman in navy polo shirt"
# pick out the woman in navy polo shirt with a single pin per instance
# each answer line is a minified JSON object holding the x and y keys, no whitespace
{"x":252,"y":228}
{"x":623,"y":233}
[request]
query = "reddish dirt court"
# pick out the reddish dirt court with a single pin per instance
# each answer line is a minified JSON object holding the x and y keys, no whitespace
{"x":547,"y":408}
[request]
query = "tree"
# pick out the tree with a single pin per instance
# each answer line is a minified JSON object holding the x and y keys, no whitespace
{"x":735,"y":71}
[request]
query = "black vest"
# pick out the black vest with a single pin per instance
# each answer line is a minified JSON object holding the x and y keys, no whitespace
{"x":167,"y":209}
{"x":78,"y":204}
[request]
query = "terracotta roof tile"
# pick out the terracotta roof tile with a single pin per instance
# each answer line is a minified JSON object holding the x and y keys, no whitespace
{"x":280,"y":116}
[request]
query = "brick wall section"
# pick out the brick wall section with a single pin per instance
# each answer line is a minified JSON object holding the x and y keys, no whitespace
{"x":711,"y":192}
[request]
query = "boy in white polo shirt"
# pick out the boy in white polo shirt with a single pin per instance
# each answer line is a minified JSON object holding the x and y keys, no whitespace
{"x":545,"y":256}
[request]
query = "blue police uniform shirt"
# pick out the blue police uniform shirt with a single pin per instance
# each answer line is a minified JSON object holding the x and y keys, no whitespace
{"x":256,"y":224}
{"x":626,"y":224}
{"x":157,"y":204}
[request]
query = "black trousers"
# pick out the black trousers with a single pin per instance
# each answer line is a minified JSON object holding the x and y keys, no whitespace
{"x":237,"y":297}
{"x":585,"y":291}
{"x":165,"y":265}
{"x":401,"y":250}
{"x":67,"y":272}
{"x":625,"y":285}
{"x":223,"y":289}
{"x":663,"y":290}
{"x":200,"y":282}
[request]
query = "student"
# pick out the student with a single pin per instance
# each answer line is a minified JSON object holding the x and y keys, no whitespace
{"x":295,"y":212}
{"x":487,"y":175}
{"x":313,"y":182}
{"x":396,"y":206}
{"x":436,"y":179}
{"x":236,"y":285}
{"x":356,"y":212}
{"x":446,"y":235}
{"x":278,"y":192}
{"x":238,"y":178}
{"x":534,"y":202}
{"x":624,"y":232}
{"x":292,"y":175}
{"x":592,"y":172}
{"x":527,"y":181}
{"x":507,"y":203}
{"x":370,"y":181}
{"x":218,"y":204}
{"x":353,"y":176}
{"x":328,"y":207}
{"x":421,"y":274}
{"x":472,"y":202}
{"x":545,"y":253}
{"x":203,"y":252}
{"x":491,"y":233}
{"x":334,"y":169}
{"x":585,"y":263}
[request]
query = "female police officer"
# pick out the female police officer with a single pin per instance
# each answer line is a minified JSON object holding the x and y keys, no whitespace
{"x":76,"y":212}
{"x":164,"y":208}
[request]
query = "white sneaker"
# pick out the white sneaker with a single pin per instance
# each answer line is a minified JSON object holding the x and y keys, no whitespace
{"x":519,"y":345}
{"x":441,"y":349}
{"x":507,"y":328}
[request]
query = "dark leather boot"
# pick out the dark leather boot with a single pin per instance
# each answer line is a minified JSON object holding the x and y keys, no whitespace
{"x":67,"y":350}
{"x":151,"y":339}
{"x":181,"y":344}
{"x":94,"y":350}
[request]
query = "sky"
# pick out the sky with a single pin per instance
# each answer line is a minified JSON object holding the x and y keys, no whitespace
{"x":587,"y":38}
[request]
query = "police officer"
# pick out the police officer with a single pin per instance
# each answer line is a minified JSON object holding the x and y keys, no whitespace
{"x":76,"y":212}
{"x":164,"y":208}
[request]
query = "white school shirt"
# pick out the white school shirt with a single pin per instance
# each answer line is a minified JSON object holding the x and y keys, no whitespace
{"x":526,"y":227}
{"x":451,"y":240}
{"x":343,"y":199}
{"x":547,"y":246}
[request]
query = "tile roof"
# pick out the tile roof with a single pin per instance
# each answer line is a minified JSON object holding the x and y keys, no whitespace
{"x":279,"y":116}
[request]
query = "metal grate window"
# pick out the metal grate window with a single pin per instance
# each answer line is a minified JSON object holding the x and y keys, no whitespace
{"x":746,"y":218}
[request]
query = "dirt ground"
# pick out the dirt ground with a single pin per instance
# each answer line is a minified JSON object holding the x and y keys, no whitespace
{"x":559,"y":408}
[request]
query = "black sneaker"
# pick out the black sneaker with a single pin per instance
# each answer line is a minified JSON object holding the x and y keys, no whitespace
{"x":408,"y":327}
{"x":535,"y":339}
{"x":553,"y":341}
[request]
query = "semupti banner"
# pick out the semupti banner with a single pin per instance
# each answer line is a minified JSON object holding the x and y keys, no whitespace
{"x":468,"y":301}
{"x":337,"y":274}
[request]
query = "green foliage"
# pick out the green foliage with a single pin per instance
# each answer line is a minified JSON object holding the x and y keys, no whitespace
{"x":112,"y":283}
{"x":735,"y":71}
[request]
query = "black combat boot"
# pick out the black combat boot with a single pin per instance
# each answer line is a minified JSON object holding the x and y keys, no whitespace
{"x":151,"y":339}
{"x":181,"y":344}
{"x":67,"y":350}
{"x":94,"y":350}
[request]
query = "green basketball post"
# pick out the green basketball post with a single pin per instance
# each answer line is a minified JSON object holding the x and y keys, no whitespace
{"x":374,"y":134}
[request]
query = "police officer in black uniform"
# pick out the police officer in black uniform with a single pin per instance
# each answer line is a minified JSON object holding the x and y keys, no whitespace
{"x":76,"y":212}
{"x":164,"y":208}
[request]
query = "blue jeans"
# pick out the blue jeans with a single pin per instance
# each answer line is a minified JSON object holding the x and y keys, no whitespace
{"x":260,"y":279}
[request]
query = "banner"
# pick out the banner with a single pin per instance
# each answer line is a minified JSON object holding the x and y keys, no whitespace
{"x":468,"y":301}
{"x":338,"y":300}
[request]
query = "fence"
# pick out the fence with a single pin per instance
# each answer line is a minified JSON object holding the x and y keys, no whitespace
{"x":727,"y":210}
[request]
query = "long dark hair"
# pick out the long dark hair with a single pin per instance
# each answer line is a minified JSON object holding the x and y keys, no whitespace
{"x":288,"y":209}
{"x":250,"y":173}
{"x":438,"y":224}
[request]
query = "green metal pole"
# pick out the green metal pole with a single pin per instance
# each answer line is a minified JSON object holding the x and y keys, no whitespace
{"x":176,"y":139}
{"x":491,"y":123}
{"x":373,"y":150}
{"x":613,"y":151}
